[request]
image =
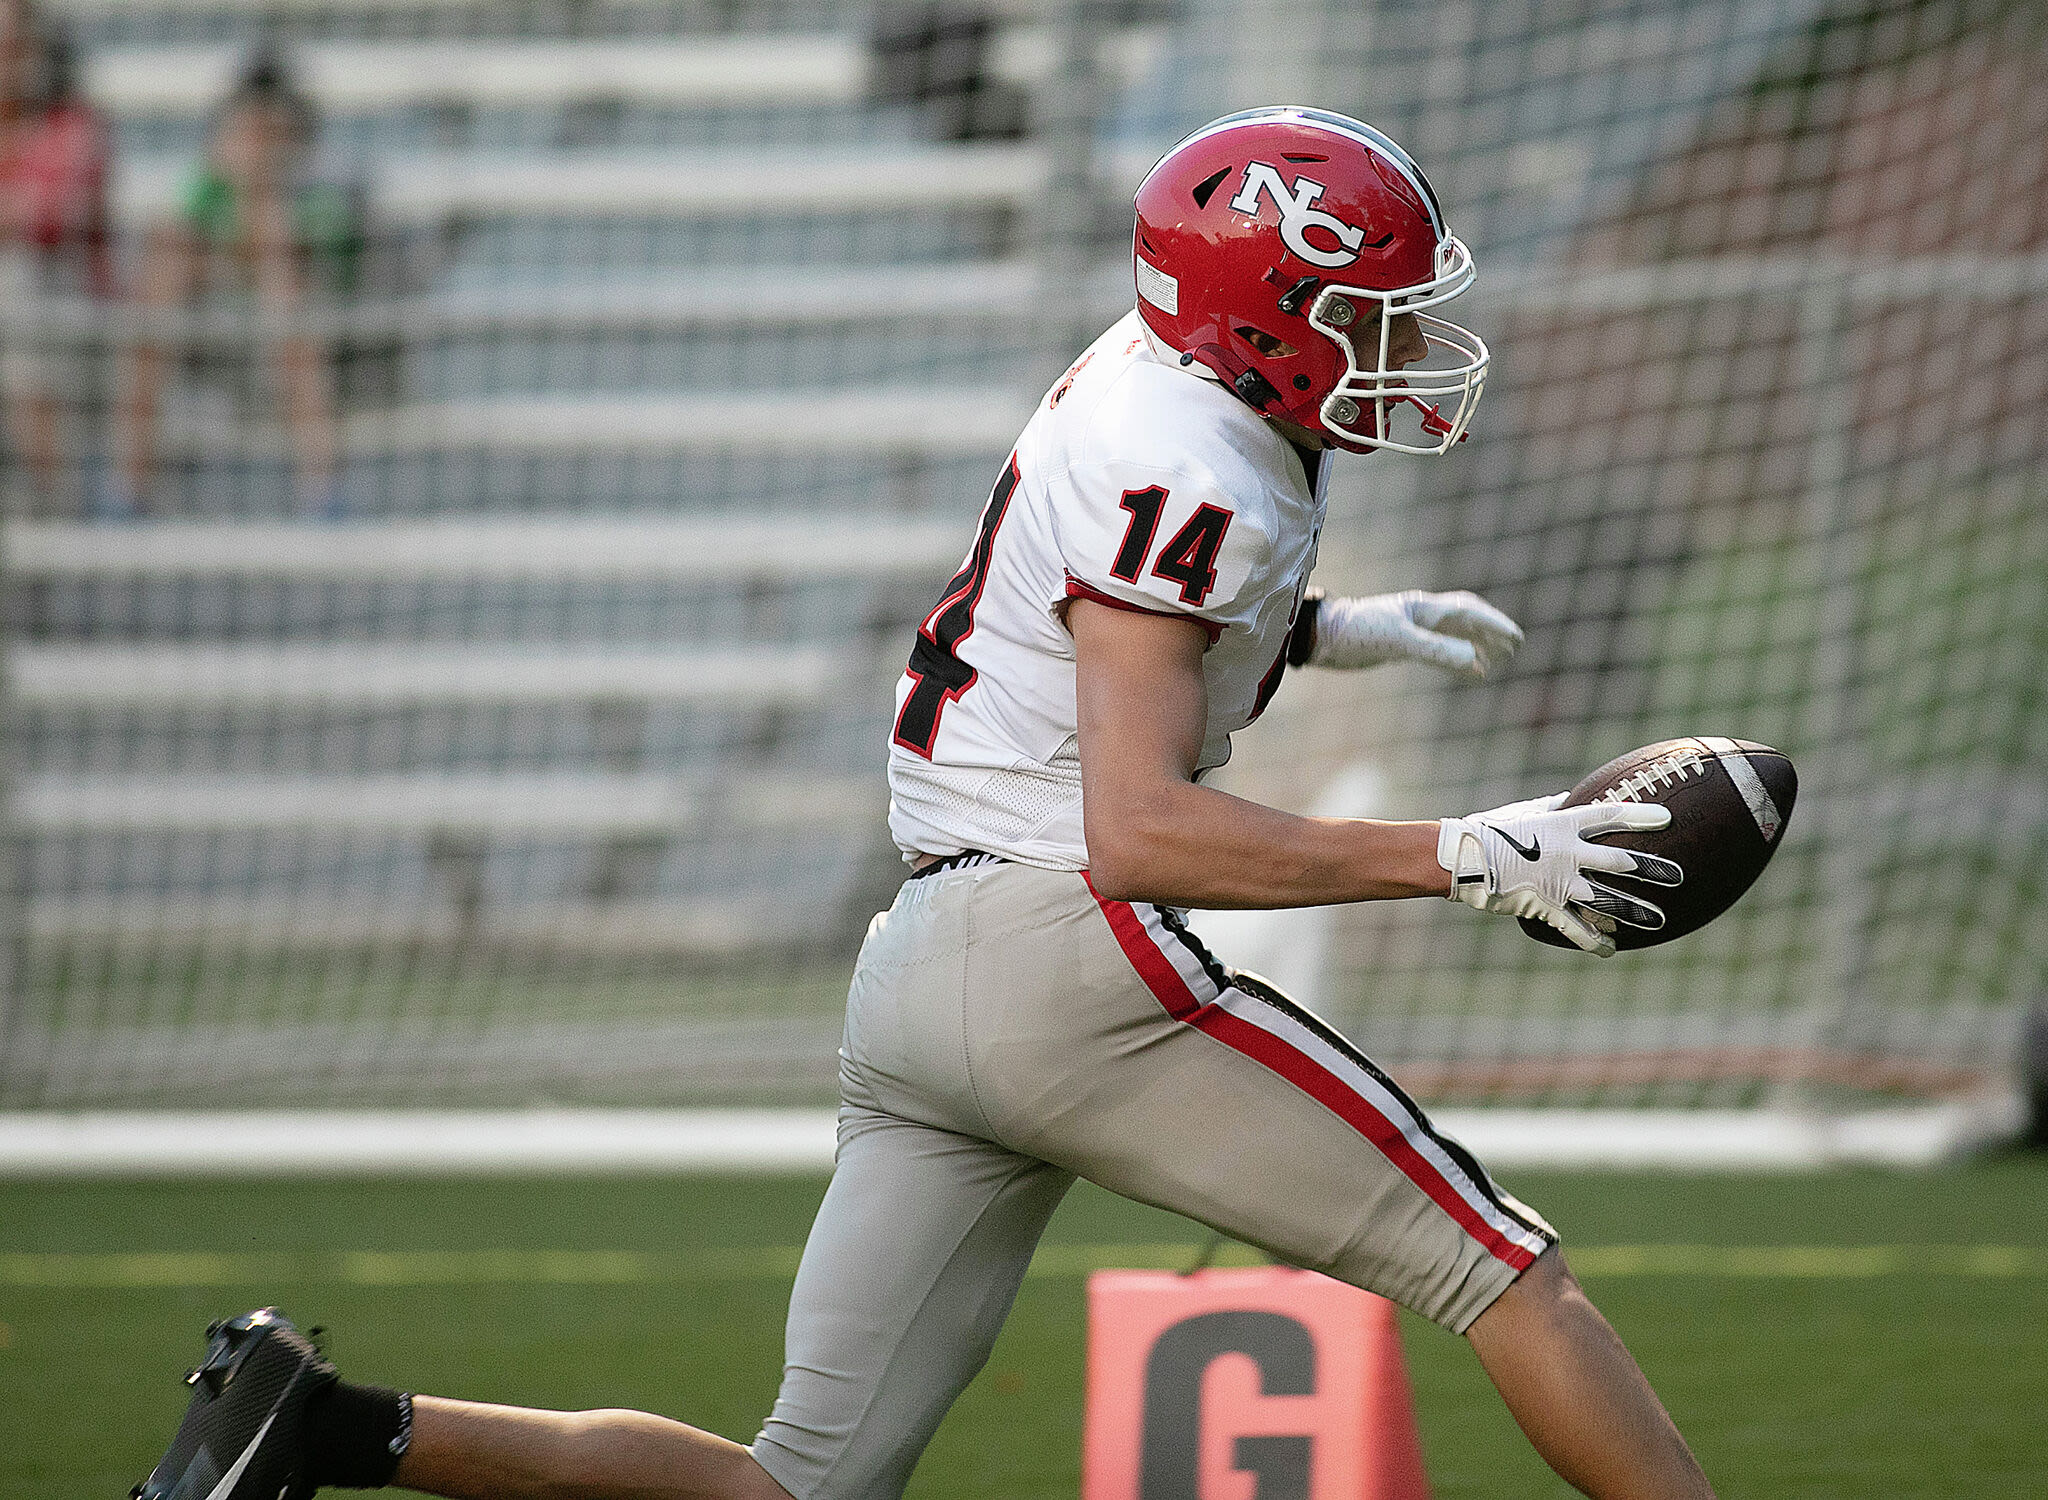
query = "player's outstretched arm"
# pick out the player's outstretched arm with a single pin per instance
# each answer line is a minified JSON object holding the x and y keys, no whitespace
{"x":1458,"y":632}
{"x":1154,"y":834}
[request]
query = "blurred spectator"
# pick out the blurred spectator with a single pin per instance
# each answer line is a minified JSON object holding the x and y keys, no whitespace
{"x":252,"y":223}
{"x":18,"y":34}
{"x":54,"y":262}
{"x":17,"y":38}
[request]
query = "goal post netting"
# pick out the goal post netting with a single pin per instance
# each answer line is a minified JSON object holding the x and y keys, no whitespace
{"x":478,"y":695}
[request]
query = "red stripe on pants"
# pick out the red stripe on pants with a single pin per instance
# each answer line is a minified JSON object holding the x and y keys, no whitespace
{"x":1342,"y":1100}
{"x":1154,"y":967}
{"x":1301,"y":1070}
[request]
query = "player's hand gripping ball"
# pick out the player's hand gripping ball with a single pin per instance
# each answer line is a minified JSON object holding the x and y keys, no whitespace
{"x":1729,"y":802}
{"x":1545,"y":862}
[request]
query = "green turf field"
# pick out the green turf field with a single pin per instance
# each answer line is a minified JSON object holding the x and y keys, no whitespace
{"x":1861,"y":1334}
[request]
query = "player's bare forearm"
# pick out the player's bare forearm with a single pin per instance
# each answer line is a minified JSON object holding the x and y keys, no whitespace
{"x":1154,"y":834}
{"x":1193,"y":846}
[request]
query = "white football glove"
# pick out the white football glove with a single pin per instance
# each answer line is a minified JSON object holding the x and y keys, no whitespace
{"x":1537,"y":859}
{"x":1457,"y":632}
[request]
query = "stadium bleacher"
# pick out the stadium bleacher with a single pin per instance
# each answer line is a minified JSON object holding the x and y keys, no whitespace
{"x":660,"y":238}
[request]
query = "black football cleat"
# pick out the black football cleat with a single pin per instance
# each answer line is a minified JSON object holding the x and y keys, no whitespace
{"x":243,"y":1434}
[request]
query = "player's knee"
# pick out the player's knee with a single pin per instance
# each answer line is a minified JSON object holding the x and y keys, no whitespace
{"x":1546,"y":1287}
{"x":1549,"y":1274}
{"x":1549,"y":1281}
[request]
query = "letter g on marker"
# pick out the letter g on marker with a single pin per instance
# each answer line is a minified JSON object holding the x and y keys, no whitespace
{"x":1285,"y":1353}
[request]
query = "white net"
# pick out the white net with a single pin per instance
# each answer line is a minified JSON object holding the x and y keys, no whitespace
{"x":450,"y":634}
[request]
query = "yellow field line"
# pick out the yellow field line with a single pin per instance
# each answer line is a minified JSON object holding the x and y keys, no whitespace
{"x":100,"y":1271}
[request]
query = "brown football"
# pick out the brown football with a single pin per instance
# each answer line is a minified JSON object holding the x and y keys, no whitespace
{"x":1729,"y":801}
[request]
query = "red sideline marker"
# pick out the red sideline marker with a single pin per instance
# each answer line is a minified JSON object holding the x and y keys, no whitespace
{"x":1268,"y":1384}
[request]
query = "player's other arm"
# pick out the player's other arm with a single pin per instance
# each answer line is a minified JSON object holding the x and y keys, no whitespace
{"x":1154,"y":834}
{"x":1456,"y":632}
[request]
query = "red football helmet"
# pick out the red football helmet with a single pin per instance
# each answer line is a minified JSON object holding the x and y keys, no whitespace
{"x":1265,"y":235}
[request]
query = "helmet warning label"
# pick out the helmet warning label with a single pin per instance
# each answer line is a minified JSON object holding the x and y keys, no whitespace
{"x":1156,"y":287}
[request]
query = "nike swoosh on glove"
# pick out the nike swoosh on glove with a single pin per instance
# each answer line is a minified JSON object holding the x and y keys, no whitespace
{"x":1456,"y":632}
{"x":1538,"y":859}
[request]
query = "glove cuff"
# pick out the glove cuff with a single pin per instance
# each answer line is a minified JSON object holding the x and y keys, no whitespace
{"x":1301,"y":640}
{"x":1362,"y":632}
{"x":1463,"y":856}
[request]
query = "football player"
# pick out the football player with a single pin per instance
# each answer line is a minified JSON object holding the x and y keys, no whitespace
{"x":1032,"y":1008}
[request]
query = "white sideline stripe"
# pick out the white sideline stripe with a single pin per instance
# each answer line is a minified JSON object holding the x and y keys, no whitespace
{"x":703,"y":72}
{"x":1923,"y":1135}
{"x":427,"y":189}
{"x":456,"y":1141}
{"x":694,"y":550}
{"x":417,"y":1141}
{"x":547,"y":803}
{"x":345,"y":675}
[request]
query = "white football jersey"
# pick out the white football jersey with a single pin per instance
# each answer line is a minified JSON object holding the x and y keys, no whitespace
{"x":1136,"y":483}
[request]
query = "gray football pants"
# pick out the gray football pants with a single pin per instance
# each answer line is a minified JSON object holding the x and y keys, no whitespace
{"x":1006,"y":1032}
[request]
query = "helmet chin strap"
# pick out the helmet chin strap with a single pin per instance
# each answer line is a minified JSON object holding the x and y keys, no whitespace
{"x":1213,"y":362}
{"x":1255,"y":391}
{"x":1249,"y":386}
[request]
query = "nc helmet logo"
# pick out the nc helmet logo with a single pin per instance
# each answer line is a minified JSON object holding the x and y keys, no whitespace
{"x":1298,"y":215}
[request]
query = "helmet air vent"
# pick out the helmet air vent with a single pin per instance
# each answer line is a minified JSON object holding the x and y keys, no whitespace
{"x":1206,"y":188}
{"x":1265,"y":343}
